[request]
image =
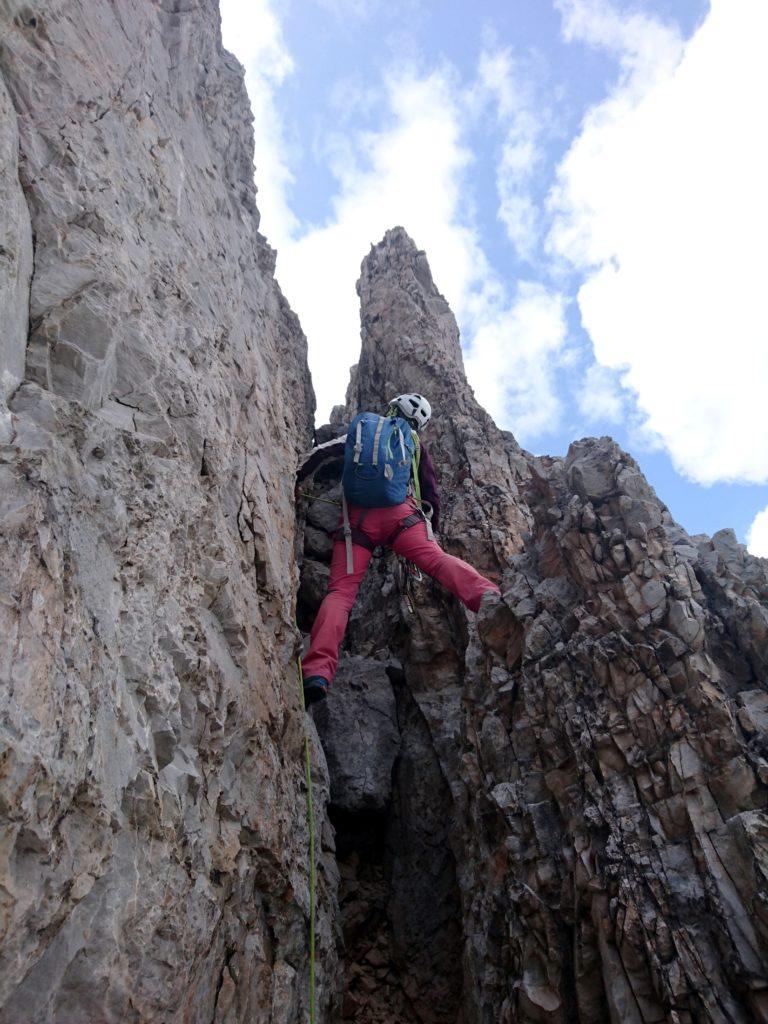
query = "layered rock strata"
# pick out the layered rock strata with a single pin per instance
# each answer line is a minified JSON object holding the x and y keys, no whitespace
{"x":153,"y":859}
{"x":594,"y":746}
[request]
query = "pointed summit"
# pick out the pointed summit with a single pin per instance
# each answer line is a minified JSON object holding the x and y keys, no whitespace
{"x":410,"y":339}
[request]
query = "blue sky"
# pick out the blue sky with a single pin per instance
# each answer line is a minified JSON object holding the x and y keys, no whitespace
{"x":587,"y":178}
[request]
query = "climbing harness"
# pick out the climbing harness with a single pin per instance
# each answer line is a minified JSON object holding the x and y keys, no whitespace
{"x":312,"y":870}
{"x":354,"y":535}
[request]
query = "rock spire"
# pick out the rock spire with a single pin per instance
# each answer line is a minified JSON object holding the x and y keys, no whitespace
{"x":410,"y":342}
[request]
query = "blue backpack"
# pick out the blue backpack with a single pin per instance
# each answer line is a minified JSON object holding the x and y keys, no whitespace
{"x":378,"y":456}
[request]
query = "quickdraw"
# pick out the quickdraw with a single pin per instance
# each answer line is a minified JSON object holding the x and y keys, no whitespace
{"x":409,"y":575}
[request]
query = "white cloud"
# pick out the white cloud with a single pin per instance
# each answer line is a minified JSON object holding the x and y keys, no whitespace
{"x":661,"y":204}
{"x":517,"y":210}
{"x":407,"y":173}
{"x":757,"y":535}
{"x":413,"y":172}
{"x":646,"y":48}
{"x":600,"y":398}
{"x":500,"y":77}
{"x":513,"y":360}
{"x":252,"y":32}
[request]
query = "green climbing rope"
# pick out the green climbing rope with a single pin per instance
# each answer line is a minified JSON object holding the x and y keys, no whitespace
{"x":314,"y":497}
{"x":312,"y":871}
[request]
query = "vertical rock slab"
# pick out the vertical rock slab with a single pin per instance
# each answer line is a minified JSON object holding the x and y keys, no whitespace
{"x":15,"y":261}
{"x":360,"y":736}
{"x":153,"y":852}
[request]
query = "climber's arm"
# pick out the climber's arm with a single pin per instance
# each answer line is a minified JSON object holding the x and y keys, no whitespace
{"x":333,"y":449}
{"x":428,"y":485}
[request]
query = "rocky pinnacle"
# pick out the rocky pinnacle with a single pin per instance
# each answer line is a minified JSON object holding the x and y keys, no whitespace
{"x":410,"y":342}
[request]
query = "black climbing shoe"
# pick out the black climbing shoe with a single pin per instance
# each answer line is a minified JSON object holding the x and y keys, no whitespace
{"x":315,"y":688}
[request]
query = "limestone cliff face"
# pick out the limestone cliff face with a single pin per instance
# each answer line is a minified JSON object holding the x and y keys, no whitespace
{"x":569,"y":794}
{"x":153,"y":854}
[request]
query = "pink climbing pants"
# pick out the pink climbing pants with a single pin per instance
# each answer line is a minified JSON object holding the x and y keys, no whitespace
{"x":379,"y":524}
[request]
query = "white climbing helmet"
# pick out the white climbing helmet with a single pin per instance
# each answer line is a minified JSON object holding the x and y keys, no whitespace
{"x":414,"y":407}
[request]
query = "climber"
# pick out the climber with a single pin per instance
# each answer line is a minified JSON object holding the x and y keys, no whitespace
{"x":390,"y":498}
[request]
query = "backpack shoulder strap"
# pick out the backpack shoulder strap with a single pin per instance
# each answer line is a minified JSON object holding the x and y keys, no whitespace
{"x":377,"y":439}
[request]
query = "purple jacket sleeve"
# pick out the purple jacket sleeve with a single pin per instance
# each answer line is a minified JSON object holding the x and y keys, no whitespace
{"x":428,"y":484}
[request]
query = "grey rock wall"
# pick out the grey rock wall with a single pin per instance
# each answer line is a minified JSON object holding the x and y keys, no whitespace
{"x":15,"y":261}
{"x":153,"y":843}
